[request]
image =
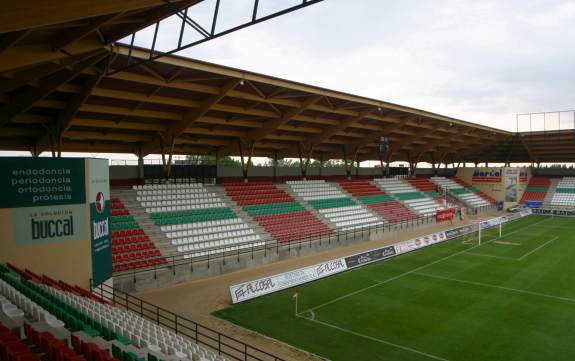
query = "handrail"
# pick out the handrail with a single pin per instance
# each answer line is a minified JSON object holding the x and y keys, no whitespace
{"x":224,"y":345}
{"x":270,"y":245}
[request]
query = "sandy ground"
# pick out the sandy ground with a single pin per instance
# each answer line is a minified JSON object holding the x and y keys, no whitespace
{"x":197,"y":299}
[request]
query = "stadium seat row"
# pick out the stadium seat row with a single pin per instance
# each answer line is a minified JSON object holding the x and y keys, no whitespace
{"x":334,"y":205}
{"x":131,"y":247}
{"x":468,"y":196}
{"x":271,"y":206}
{"x":196,"y":215}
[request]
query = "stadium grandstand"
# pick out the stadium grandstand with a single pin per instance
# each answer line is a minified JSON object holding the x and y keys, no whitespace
{"x":210,"y":262}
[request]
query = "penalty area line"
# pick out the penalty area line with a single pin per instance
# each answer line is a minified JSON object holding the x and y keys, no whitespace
{"x":493,"y":256}
{"x":488,"y":285}
{"x":538,"y":248}
{"x":418,"y":268}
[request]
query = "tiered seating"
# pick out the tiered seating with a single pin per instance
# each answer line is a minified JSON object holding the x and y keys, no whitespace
{"x":13,"y":348}
{"x":394,"y":185}
{"x":359,"y":187}
{"x":157,"y":198}
{"x":245,"y":194}
{"x":387,"y":207}
{"x":46,"y":335}
{"x":197,"y":221}
{"x":281,"y":226}
{"x":331,"y":203}
{"x":564,"y":195}
{"x":276,"y":211}
{"x":131,"y":247}
{"x":203,"y":215}
{"x":483,"y":195}
{"x":57,"y":325}
{"x":422,"y":184}
{"x":421,"y":203}
{"x":470,"y":196}
{"x":536,"y":189}
{"x":334,"y":205}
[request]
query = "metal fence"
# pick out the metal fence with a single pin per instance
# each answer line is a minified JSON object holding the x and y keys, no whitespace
{"x":270,"y":245}
{"x":218,"y":342}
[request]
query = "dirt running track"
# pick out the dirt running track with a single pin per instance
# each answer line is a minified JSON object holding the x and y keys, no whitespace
{"x":197,"y":299}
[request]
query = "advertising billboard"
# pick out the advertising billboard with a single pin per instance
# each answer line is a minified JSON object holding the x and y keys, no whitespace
{"x":55,"y":209}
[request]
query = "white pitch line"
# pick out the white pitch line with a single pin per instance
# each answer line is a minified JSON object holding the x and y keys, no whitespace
{"x":492,"y":256}
{"x":497,"y":287}
{"x":415,"y":269}
{"x":559,"y":227}
{"x":538,"y":248}
{"x":371,"y":338}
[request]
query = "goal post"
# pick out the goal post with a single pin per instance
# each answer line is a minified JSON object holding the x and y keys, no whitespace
{"x":471,"y":235}
{"x":487,"y":230}
{"x":484,"y":225}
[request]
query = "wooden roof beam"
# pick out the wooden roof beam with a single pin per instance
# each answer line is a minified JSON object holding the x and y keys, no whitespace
{"x":10,"y":132}
{"x":446,"y":142}
{"x":131,"y":77}
{"x":112,"y":124}
{"x":333,"y":130}
{"x":10,"y":39}
{"x":216,"y":69}
{"x":106,"y":135}
{"x":31,"y":75}
{"x":369,"y":139}
{"x":24,"y":101}
{"x":191,"y":116}
{"x":408,"y":140}
{"x":70,"y":37}
{"x":273,"y":124}
{"x":203,"y":88}
{"x":64,"y":120}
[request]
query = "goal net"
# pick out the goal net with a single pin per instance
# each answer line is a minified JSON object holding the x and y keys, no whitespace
{"x":471,"y":237}
{"x":490,"y":229}
{"x":484,"y":231}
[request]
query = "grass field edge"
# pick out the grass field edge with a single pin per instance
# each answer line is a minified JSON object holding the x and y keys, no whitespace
{"x":225,"y":315}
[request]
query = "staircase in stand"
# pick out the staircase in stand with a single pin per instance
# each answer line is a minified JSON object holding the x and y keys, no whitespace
{"x":132,"y":247}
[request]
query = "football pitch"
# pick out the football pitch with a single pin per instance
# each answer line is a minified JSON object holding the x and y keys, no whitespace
{"x":510,"y":298}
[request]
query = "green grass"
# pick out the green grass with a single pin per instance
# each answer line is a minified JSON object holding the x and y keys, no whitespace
{"x":508,"y":299}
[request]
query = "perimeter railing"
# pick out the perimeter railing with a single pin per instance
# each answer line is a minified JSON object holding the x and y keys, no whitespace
{"x":229,"y":347}
{"x":223,"y":254}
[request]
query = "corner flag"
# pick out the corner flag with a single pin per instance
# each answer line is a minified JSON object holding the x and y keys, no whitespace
{"x":295,"y":297}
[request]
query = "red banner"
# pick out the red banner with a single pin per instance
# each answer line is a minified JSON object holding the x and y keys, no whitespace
{"x":486,"y":179}
{"x":444,"y":215}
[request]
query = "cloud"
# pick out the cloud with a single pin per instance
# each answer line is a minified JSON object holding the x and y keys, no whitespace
{"x":480,"y":61}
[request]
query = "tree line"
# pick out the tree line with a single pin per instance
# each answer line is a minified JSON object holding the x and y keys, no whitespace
{"x":284,"y":163}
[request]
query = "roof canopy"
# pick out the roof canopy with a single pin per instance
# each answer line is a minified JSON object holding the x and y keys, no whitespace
{"x":56,"y":92}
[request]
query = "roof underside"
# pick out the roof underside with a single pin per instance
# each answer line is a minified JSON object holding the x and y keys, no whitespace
{"x":56,"y":90}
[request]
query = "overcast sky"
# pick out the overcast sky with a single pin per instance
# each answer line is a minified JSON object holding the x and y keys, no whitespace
{"x":480,"y":61}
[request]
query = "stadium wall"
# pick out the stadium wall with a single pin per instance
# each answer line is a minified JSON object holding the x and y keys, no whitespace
{"x":503,"y":184}
{"x":554,"y":172}
{"x":121,"y":172}
{"x":275,"y":283}
{"x":130,"y":172}
{"x":180,"y":271}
